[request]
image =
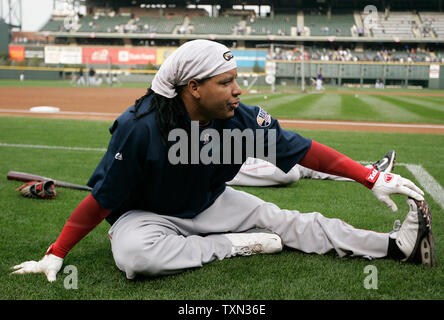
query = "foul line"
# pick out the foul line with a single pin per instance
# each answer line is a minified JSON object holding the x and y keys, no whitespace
{"x":34,"y":146}
{"x":425,"y":179}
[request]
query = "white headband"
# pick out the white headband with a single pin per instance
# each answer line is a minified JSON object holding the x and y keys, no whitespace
{"x":197,"y":59}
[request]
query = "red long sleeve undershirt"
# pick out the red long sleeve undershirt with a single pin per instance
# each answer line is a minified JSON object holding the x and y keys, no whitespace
{"x":84,"y":218}
{"x":325,"y":159}
{"x":89,"y":213}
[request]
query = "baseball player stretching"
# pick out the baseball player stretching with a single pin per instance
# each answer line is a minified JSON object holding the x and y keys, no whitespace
{"x":168,"y":216}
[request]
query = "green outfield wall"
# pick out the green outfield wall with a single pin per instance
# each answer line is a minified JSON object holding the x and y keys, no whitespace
{"x":429,"y":75}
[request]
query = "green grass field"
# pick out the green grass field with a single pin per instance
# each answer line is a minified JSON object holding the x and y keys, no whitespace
{"x":28,"y":227}
{"x":353,"y":107}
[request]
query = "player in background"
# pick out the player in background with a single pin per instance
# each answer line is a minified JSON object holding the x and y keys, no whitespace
{"x":169,"y":217}
{"x":319,"y":81}
{"x":91,"y":77}
{"x":81,"y":79}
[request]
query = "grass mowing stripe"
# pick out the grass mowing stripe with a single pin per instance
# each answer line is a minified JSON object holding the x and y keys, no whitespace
{"x":276,"y":101}
{"x":389,"y":112}
{"x":364,"y":124}
{"x":430,"y":114}
{"x":326,"y":107}
{"x":354,"y":108}
{"x":423,"y":101}
{"x":290,"y":101}
{"x":260,"y":97}
{"x":439,"y":100}
{"x":295,"y":108}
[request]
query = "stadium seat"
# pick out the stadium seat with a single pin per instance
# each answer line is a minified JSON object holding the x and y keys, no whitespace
{"x":102,"y":23}
{"x":339,"y":24}
{"x":278,"y":25}
{"x":151,"y":24}
{"x":214,"y":25}
{"x":53,"y":25}
{"x":395,"y":24}
{"x":433,"y":24}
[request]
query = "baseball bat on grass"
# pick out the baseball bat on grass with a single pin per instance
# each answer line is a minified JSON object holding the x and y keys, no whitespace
{"x":26,"y":177}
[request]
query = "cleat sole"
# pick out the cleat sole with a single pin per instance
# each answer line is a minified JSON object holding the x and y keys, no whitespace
{"x":428,"y":252}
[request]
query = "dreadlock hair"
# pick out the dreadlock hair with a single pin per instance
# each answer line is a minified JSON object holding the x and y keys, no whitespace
{"x":171,"y":112}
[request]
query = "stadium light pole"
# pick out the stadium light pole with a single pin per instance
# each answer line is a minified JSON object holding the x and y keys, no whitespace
{"x":302,"y":69}
{"x":13,"y":13}
{"x":271,"y":46}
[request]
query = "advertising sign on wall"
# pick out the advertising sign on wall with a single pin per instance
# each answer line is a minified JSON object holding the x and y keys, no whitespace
{"x":34,"y":52}
{"x":127,"y":56}
{"x":17,"y":53}
{"x":434,"y":71}
{"x":163,"y":53}
{"x":248,"y":58}
{"x":64,"y":55}
{"x":104,"y":55}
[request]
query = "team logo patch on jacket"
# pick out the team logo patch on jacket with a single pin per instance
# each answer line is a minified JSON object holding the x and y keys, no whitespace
{"x":263,"y":118}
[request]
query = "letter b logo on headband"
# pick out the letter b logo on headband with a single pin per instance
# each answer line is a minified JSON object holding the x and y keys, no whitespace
{"x":228,"y":55}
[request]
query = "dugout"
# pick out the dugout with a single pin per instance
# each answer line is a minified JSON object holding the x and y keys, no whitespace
{"x":31,"y":73}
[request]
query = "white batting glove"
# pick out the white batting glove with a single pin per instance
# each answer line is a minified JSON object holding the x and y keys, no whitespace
{"x":49,"y":265}
{"x":390,"y":183}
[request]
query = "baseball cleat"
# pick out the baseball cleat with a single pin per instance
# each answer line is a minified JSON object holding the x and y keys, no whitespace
{"x":414,"y":238}
{"x":246,"y":244}
{"x":387,"y":163}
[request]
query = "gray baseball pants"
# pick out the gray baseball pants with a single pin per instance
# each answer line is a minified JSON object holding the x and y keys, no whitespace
{"x":150,"y":244}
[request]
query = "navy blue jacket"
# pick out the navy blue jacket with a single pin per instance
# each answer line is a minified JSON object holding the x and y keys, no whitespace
{"x":136,"y":173}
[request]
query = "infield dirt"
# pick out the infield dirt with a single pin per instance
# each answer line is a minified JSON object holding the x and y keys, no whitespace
{"x":107,"y":103}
